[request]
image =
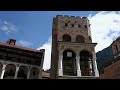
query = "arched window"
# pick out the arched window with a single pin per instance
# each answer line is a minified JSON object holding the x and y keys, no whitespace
{"x":80,"y":38}
{"x":66,"y":37}
{"x":34,"y":73}
{"x":9,"y":71}
{"x":22,"y":73}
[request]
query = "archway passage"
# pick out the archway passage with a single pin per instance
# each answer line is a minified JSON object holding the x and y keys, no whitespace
{"x":86,"y":63}
{"x":9,"y":71}
{"x":69,"y":63}
{"x":22,"y":73}
{"x":34,"y":73}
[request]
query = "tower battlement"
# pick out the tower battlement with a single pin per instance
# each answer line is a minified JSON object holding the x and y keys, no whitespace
{"x":66,"y":22}
{"x":77,"y":18}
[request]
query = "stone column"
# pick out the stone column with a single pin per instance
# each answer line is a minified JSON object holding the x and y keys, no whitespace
{"x":60,"y":67}
{"x":3,"y":71}
{"x":16,"y":72}
{"x":90,"y":67}
{"x":95,"y":67}
{"x":78,"y":65}
{"x":28,"y":74}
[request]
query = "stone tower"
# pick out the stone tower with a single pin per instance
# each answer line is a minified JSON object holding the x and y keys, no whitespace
{"x":73,"y":54}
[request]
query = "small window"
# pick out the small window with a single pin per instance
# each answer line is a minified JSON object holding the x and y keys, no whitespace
{"x":89,"y":38}
{"x":66,"y":24}
{"x":85,"y":26}
{"x":79,"y":25}
{"x":72,"y":25}
{"x":69,"y":54}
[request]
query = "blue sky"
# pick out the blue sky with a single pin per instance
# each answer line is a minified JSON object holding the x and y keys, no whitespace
{"x":33,"y":28}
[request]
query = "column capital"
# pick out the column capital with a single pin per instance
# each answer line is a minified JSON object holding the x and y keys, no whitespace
{"x":77,"y":54}
{"x":17,"y":65}
{"x":17,"y":68}
{"x":4,"y":63}
{"x":60,"y":52}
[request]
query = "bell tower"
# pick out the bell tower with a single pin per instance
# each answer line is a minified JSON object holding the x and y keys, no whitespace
{"x":73,"y":54}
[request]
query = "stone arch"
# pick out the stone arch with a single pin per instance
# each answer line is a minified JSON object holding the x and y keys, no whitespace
{"x":69,"y":63}
{"x":34,"y":73}
{"x":86,"y":63}
{"x":80,"y":39}
{"x":66,"y":37}
{"x":10,"y":70}
{"x":69,"y":48}
{"x":22,"y":73}
{"x":87,"y":50}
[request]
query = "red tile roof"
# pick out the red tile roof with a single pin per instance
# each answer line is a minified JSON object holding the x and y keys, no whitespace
{"x":112,"y":71}
{"x":19,"y":47}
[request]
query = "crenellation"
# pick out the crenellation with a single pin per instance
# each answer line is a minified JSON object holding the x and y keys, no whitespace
{"x":59,"y":16}
{"x":84,"y":18}
{"x":66,"y":16}
{"x":72,"y":17}
{"x":78,"y":18}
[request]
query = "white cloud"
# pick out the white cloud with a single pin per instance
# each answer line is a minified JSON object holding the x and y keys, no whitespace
{"x":7,"y":27}
{"x":47,"y":58}
{"x":5,"y":22}
{"x":24,"y":43}
{"x":105,"y":27}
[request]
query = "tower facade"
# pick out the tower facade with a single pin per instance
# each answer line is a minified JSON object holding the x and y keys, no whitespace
{"x":73,"y":54}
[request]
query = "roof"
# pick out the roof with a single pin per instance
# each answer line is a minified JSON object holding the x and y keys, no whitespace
{"x":118,"y":38}
{"x":19,"y":47}
{"x":115,"y":40}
